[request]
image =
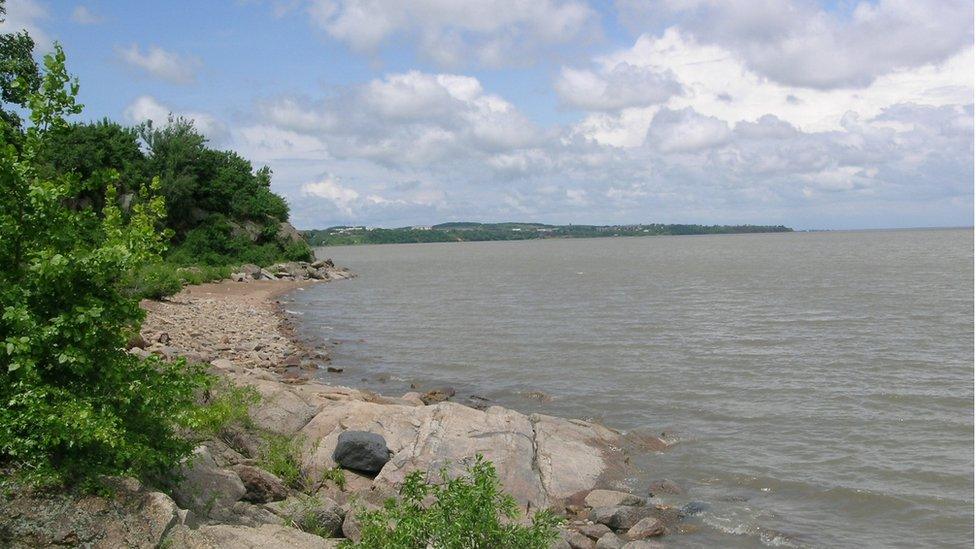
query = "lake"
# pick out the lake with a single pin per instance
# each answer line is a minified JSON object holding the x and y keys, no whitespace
{"x":821,"y":384}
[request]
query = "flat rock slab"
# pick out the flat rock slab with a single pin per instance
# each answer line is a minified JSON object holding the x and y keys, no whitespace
{"x":541,"y":460}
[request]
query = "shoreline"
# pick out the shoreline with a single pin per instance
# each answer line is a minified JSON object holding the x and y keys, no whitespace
{"x":575,"y":467}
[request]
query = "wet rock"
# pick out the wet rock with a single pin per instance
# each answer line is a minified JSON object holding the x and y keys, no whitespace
{"x":361,"y":451}
{"x":664,"y":486}
{"x":611,"y":498}
{"x":438,"y":395}
{"x":646,"y":528}
{"x":694,"y":508}
{"x":609,"y":541}
{"x":334,"y":370}
{"x":621,"y":517}
{"x":260,"y":485}
{"x":643,"y":544}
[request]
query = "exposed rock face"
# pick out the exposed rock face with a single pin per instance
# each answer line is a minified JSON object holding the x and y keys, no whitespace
{"x":260,"y":485}
{"x":361,"y":451}
{"x":134,"y":517}
{"x":541,"y":460}
{"x":265,"y":536}
{"x":206,"y":489}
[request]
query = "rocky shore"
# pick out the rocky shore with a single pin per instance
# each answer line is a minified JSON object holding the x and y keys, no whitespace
{"x":351,"y":447}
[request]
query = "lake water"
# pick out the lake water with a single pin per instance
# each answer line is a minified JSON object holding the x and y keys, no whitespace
{"x":821,"y":384}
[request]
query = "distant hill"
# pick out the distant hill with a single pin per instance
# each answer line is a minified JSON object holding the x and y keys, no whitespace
{"x":466,"y":231}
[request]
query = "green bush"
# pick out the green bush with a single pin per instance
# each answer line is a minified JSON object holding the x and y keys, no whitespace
{"x":226,"y":405}
{"x":282,"y":457}
{"x":152,"y":281}
{"x":75,"y":405}
{"x":306,"y":513}
{"x":468,"y":512}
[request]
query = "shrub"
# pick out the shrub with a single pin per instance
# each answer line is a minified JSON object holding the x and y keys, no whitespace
{"x":75,"y":405}
{"x":152,"y":281}
{"x":226,"y":405}
{"x":282,"y":457}
{"x":336,"y":475}
{"x":468,"y":512}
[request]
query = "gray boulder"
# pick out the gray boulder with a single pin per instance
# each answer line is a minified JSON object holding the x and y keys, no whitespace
{"x":620,"y":517}
{"x":361,"y":451}
{"x":205,"y":488}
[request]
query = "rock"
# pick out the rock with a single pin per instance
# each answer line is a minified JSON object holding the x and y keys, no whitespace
{"x":609,"y":541}
{"x":694,"y":508}
{"x":251,"y":270}
{"x":245,"y":537}
{"x":264,"y":274}
{"x":238,"y":277}
{"x":333,"y":370}
{"x":281,"y":409}
{"x":131,"y":518}
{"x":288,"y":234}
{"x":620,"y":517}
{"x":611,"y":498}
{"x":322,"y":263}
{"x":576,"y":540}
{"x":664,"y":486}
{"x":413,"y":398}
{"x":248,"y":514}
{"x":222,"y":364}
{"x":162,"y":337}
{"x":645,"y":528}
{"x":361,"y":451}
{"x":593,"y":531}
{"x":260,"y":485}
{"x":206,"y":489}
{"x":643,"y":544}
{"x":136,"y":342}
{"x":541,"y":460}
{"x":350,"y":524}
{"x":438,"y":395}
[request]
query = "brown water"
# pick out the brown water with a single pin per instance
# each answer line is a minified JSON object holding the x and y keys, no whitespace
{"x":821,"y":383}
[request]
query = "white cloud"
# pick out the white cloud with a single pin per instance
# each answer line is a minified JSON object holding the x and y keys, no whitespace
{"x":85,"y":16}
{"x":27,"y":15}
{"x":330,"y":189}
{"x":163,"y":64}
{"x":686,"y":131}
{"x":716,"y":84}
{"x":452,"y":33}
{"x":146,"y":108}
{"x":621,"y":86}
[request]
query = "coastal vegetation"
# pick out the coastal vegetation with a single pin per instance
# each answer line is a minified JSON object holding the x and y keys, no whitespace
{"x":94,"y":217}
{"x":472,"y":232}
{"x":466,"y":512}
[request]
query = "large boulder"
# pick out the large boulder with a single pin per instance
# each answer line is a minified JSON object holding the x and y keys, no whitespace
{"x":361,"y":451}
{"x":610,"y":498}
{"x":541,"y":460}
{"x":620,"y":517}
{"x":205,"y":488}
{"x":261,"y":485}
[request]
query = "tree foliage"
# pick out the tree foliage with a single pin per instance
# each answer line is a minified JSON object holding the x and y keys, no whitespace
{"x":75,"y":404}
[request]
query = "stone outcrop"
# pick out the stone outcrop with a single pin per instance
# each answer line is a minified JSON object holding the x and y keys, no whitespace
{"x":205,"y":488}
{"x":322,"y":269}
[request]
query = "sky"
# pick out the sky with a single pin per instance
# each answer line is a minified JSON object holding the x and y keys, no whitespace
{"x":815,"y":115}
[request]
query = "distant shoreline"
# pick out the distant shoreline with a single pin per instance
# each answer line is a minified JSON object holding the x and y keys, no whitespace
{"x":481,"y":232}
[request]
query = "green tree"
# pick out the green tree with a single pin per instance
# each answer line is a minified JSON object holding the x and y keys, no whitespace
{"x":75,"y":404}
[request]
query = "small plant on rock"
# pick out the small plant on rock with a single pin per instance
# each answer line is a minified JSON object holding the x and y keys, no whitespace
{"x":468,"y":512}
{"x":282,"y":457}
{"x":336,"y":475}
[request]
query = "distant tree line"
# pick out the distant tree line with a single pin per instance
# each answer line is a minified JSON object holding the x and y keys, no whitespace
{"x":472,"y":232}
